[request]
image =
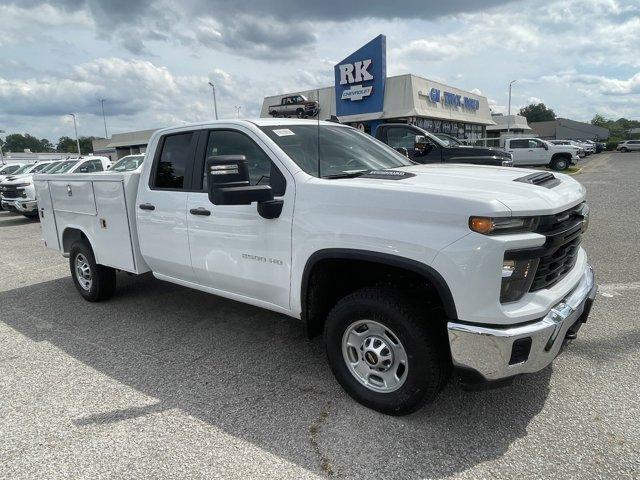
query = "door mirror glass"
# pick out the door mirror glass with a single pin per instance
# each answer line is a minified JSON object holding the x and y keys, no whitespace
{"x":420,"y":142}
{"x":229,"y":183}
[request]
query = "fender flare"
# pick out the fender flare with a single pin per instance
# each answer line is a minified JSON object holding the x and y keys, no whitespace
{"x":79,"y":229}
{"x":429,"y":273}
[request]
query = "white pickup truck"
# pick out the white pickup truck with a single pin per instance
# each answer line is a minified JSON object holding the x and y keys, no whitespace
{"x":534,"y":151}
{"x":408,"y":270}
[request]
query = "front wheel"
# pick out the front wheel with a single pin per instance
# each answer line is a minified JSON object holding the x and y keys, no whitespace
{"x":385,"y":351}
{"x":560,"y":164}
{"x":94,"y":282}
{"x":624,"y":149}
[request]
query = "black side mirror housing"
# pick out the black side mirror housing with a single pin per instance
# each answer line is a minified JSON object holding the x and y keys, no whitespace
{"x":403,"y":151}
{"x":229,"y":184}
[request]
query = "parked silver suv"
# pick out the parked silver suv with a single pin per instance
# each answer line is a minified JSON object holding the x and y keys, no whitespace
{"x":628,"y":146}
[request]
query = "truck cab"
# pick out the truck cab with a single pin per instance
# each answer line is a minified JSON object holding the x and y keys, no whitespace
{"x":424,"y":147}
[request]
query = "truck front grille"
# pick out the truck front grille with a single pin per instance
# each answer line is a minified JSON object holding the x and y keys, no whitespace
{"x":560,"y":251}
{"x":10,"y":192}
{"x":554,"y":267}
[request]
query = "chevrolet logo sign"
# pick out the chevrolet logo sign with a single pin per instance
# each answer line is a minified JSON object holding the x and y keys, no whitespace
{"x":356,"y":92}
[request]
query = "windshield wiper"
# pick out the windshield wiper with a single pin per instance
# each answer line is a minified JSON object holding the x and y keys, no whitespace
{"x":347,"y":174}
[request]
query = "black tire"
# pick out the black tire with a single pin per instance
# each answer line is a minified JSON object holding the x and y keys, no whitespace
{"x":560,"y":163}
{"x":103,"y":279}
{"x":300,"y":113}
{"x":624,"y":149}
{"x":426,"y":347}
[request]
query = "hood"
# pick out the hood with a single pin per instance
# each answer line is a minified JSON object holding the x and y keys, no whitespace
{"x":485,"y":184}
{"x":26,"y":178}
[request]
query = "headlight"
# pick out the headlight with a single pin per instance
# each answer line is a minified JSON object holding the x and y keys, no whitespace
{"x":517,"y":277}
{"x":503,"y":225}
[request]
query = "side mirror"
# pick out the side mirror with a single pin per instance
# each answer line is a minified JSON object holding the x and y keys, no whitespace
{"x":419,"y":142}
{"x":403,"y":151}
{"x":546,"y":147}
{"x":229,"y":184}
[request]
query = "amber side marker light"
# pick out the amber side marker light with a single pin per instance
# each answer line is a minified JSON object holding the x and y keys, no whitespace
{"x":482,"y":225}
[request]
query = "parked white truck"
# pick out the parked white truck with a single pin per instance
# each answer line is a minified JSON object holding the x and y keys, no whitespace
{"x":408,"y":270}
{"x":534,"y":151}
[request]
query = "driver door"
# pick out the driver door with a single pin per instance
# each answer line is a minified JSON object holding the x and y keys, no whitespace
{"x":233,"y":248}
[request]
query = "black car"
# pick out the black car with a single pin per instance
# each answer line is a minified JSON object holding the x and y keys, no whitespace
{"x":424,"y":147}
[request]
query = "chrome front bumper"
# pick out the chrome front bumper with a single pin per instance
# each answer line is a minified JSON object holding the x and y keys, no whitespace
{"x":489,"y":351}
{"x":20,"y":206}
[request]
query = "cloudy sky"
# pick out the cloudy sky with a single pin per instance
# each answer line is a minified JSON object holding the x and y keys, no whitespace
{"x":151,"y":59}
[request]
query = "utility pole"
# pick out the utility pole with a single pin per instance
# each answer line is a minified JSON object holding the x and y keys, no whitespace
{"x":75,"y":127}
{"x":1,"y":152}
{"x":104,"y":119}
{"x":509,"y":113}
{"x":238,"y":107}
{"x":215,"y":105}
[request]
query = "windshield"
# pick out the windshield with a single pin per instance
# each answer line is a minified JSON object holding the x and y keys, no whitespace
{"x":38,"y":167}
{"x":448,"y":139}
{"x":7,"y":169}
{"x":126,"y":164}
{"x":64,"y":167}
{"x":49,"y":167}
{"x":22,"y":169}
{"x":342,"y":150}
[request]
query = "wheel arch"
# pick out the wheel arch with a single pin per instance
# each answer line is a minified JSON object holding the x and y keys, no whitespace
{"x":70,"y":235}
{"x":427,"y":273}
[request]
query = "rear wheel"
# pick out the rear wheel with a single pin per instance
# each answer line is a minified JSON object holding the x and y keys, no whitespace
{"x":94,"y":282}
{"x":385,"y":351}
{"x":560,"y":163}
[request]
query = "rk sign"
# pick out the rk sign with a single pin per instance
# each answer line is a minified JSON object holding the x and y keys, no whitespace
{"x":360,"y":79}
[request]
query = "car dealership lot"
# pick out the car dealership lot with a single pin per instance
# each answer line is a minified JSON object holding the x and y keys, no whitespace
{"x":167,"y":381}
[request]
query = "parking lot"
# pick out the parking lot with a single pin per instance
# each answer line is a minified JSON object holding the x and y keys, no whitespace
{"x":166,"y":381}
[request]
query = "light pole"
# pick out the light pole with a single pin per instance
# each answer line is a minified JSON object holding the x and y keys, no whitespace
{"x":75,"y":127}
{"x":509,"y":113}
{"x":215,"y":105}
{"x":1,"y":152}
{"x":238,"y":107}
{"x":104,"y":119}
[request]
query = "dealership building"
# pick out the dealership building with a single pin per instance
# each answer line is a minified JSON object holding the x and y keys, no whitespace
{"x":363,"y":96}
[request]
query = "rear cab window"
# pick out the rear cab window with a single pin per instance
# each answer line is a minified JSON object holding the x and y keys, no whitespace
{"x":174,"y":162}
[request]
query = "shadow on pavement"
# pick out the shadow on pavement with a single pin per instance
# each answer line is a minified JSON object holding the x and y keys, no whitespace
{"x":7,"y":219}
{"x":253,"y":374}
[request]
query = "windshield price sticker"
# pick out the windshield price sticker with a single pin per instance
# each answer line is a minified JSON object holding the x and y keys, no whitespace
{"x":283,"y":132}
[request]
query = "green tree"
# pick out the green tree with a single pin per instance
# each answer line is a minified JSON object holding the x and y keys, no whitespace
{"x":16,"y":142}
{"x":68,"y":145}
{"x":537,"y":112}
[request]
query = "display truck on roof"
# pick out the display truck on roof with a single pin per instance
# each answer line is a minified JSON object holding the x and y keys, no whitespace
{"x":408,"y":271}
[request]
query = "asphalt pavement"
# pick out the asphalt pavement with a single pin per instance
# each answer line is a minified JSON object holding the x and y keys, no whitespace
{"x":167,"y":382}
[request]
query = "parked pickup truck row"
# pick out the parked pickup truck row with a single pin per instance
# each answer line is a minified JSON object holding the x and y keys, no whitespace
{"x":408,"y":271}
{"x":17,"y":193}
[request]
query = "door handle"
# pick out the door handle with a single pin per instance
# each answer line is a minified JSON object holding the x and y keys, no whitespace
{"x":200,"y":211}
{"x":146,"y":206}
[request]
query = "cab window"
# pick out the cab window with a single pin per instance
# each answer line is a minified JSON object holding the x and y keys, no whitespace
{"x":519,"y":144}
{"x":262,"y":171}
{"x":173,"y":162}
{"x":398,"y":137}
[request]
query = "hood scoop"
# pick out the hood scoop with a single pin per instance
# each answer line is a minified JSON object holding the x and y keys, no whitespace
{"x":542,"y":179}
{"x":388,"y":174}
